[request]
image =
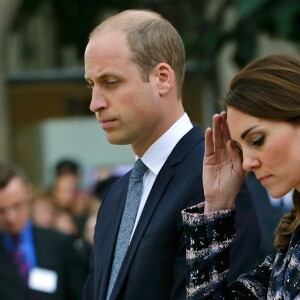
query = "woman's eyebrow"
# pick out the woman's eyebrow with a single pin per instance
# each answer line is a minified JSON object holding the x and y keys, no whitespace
{"x":245,"y":133}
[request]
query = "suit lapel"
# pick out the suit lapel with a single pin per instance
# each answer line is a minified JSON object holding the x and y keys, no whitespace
{"x":115,"y":210}
{"x":8,"y":269}
{"x":163,"y":178}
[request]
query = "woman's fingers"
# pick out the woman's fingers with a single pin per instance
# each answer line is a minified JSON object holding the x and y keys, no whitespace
{"x":209,"y":144}
{"x":225,"y":129}
{"x":217,"y":137}
{"x":217,"y":132}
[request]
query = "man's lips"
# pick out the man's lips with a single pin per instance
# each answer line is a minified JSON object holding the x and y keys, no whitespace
{"x":107,"y":123}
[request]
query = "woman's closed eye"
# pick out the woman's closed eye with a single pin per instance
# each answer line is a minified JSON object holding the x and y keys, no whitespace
{"x":258,"y":141}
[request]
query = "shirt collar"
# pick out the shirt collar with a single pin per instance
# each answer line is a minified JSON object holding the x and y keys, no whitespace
{"x":287,"y":200}
{"x":157,"y":154}
{"x":25,"y":235}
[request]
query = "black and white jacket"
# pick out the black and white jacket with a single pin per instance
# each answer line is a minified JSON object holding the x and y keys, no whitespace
{"x":208,"y":238}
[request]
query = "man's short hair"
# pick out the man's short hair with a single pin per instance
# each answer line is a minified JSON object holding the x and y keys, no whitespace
{"x":151,"y":40}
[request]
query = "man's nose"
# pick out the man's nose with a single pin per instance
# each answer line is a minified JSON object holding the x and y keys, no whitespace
{"x":98,"y":101}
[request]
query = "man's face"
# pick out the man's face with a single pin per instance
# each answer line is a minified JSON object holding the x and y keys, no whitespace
{"x":129,"y":110}
{"x":64,"y":190}
{"x":14,"y":206}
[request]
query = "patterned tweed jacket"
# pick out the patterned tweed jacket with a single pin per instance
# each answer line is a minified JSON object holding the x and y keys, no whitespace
{"x":208,"y":238}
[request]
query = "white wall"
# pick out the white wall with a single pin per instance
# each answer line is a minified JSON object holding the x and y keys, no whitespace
{"x":78,"y":138}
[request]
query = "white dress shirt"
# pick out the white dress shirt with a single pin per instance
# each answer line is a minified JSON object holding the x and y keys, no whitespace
{"x":157,"y":154}
{"x":286,"y":200}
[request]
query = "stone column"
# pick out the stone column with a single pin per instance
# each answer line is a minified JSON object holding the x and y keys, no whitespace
{"x":8,"y":10}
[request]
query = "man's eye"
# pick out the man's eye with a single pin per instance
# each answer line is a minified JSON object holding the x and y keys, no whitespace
{"x":90,"y":85}
{"x":258,"y":141}
{"x":111,"y":82}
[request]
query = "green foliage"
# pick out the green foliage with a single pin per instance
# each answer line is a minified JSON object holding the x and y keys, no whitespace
{"x":201,"y":28}
{"x":278,"y":18}
{"x":247,"y":8}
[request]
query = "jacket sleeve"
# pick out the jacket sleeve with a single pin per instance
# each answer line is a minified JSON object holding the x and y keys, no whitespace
{"x":208,"y":237}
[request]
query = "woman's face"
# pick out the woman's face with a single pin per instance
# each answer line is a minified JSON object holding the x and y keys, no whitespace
{"x":271,"y":149}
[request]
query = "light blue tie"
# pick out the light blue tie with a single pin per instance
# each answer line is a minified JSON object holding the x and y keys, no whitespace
{"x":134,"y":194}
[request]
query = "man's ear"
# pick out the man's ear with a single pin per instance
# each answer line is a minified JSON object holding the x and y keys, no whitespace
{"x":165,"y":77}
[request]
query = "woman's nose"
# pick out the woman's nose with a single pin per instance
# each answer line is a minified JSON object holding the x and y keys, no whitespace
{"x":250,"y":163}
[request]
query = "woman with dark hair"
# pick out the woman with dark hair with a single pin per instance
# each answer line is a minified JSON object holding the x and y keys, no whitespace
{"x":259,"y":132}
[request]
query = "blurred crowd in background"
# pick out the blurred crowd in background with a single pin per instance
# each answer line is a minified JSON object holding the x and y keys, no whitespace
{"x":68,"y":208}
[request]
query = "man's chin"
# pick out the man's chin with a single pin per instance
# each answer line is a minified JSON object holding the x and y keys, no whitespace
{"x":116,"y":141}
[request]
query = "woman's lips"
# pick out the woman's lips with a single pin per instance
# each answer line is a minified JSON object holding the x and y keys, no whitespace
{"x":264,"y":179}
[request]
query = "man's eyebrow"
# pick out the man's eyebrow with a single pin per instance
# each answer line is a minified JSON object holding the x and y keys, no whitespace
{"x":245,"y":133}
{"x":101,"y":76}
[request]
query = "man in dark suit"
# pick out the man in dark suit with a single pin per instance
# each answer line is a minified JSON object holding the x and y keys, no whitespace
{"x":35,"y":263}
{"x":134,"y":63}
{"x":269,"y":212}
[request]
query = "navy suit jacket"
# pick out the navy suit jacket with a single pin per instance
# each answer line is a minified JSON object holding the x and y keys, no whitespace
{"x":155,"y":266}
{"x":268,"y":216}
{"x":54,"y":251}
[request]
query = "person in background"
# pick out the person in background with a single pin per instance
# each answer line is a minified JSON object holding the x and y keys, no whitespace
{"x":68,"y":197}
{"x":64,"y":222}
{"x":84,"y":244}
{"x":42,"y":210}
{"x":259,"y":132}
{"x":134,"y":64}
{"x":35,"y":262}
{"x":102,"y":186}
{"x":64,"y":191}
{"x":67,"y":166}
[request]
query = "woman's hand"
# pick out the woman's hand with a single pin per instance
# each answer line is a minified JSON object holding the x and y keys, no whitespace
{"x":222,"y":167}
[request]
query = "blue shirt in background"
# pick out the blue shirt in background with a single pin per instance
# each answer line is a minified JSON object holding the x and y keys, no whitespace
{"x":26,"y":244}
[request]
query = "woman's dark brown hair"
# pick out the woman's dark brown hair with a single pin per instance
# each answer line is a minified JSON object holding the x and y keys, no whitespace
{"x":269,"y":88}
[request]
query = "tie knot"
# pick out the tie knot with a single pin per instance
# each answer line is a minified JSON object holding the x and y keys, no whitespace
{"x":138,"y":170}
{"x":16,"y":238}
